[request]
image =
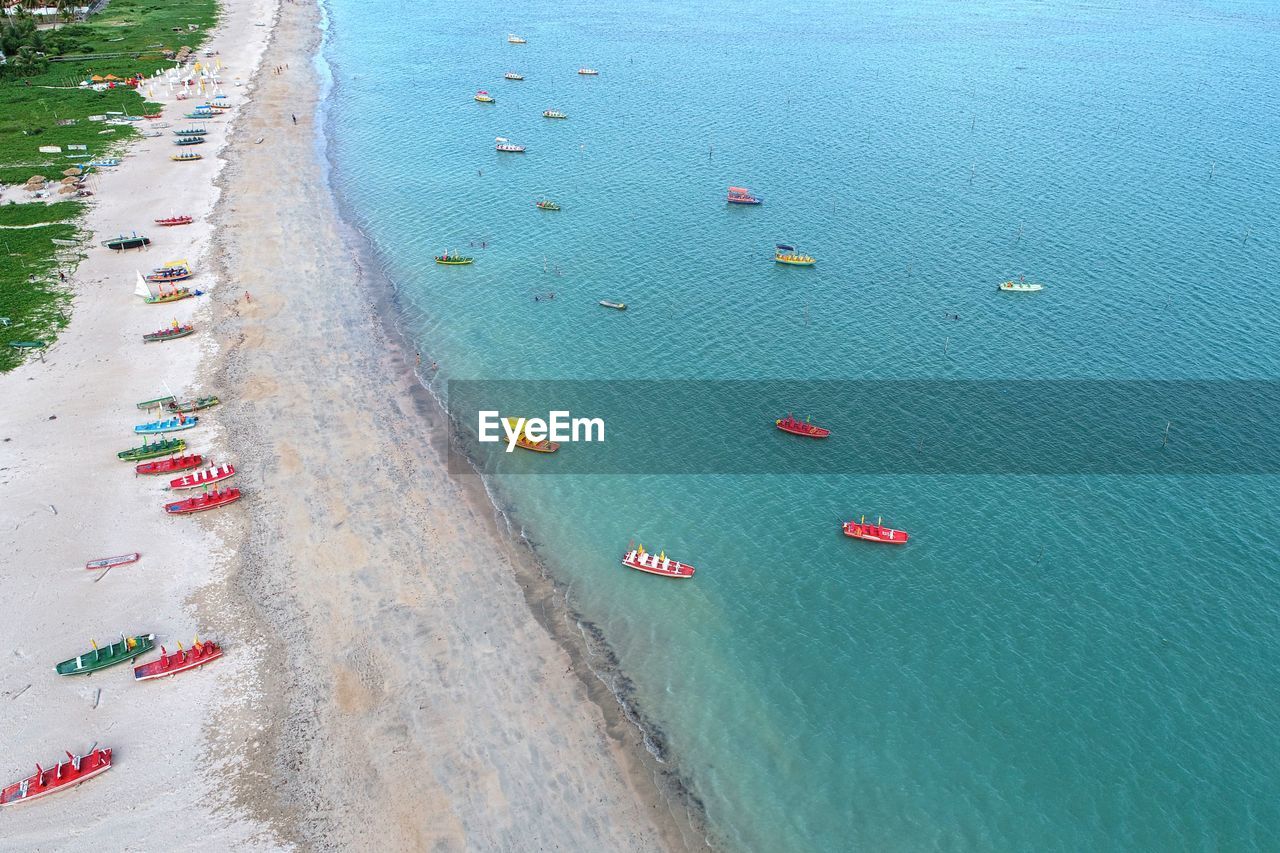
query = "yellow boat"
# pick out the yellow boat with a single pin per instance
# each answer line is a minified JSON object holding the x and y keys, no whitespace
{"x":484,"y":97}
{"x":522,"y":440}
{"x":186,"y":155}
{"x":452,"y":259}
{"x":785,"y":254}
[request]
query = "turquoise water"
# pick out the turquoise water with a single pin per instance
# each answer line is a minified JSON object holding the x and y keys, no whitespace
{"x":1058,"y":663}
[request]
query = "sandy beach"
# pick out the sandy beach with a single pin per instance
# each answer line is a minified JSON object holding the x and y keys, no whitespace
{"x":387,"y":684}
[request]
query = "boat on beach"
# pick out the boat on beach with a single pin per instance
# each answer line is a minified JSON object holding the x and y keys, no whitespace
{"x":200,"y":503}
{"x":742,"y":195}
{"x":111,"y":562}
{"x":554,"y":114}
{"x":546,"y":204}
{"x":511,"y":75}
{"x":620,"y":306}
{"x":656,"y":564}
{"x":588,"y":72}
{"x":485,"y":98}
{"x":121,"y":243}
{"x":62,"y":777}
{"x":207,"y":477}
{"x":175,"y":331}
{"x":197,"y":656}
{"x":875,"y":532}
{"x":163,"y":447}
{"x":507,"y":146}
{"x":172,"y":465}
{"x":191,"y":131}
{"x":172,"y":271}
{"x":176,"y":424}
{"x":785,"y":254}
{"x":155,"y":403}
{"x":95,"y":659}
{"x":512,"y":38}
{"x":452,"y":259}
{"x":186,"y":156}
{"x":153,"y":293}
{"x":193,"y":405}
{"x":1020,"y":286}
{"x":189,"y":140}
{"x":175,"y":220}
{"x":797,"y":427}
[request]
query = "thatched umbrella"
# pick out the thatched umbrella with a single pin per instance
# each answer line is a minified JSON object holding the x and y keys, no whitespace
{"x":111,"y":77}
{"x":67,"y":189}
{"x":72,"y":171}
{"x":69,"y":180}
{"x":95,"y":78}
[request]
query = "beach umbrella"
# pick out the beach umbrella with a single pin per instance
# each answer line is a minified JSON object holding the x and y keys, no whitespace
{"x":111,"y":77}
{"x":37,"y":179}
{"x":71,"y":171}
{"x":69,"y":180}
{"x":95,"y":78}
{"x":66,"y":189}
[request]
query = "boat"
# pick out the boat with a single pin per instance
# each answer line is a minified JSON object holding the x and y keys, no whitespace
{"x":511,"y":75}
{"x":656,"y":564}
{"x":186,"y":156}
{"x":108,"y":163}
{"x":875,"y":532}
{"x":189,"y":140}
{"x":554,"y":114}
{"x":28,"y":344}
{"x":193,"y":405}
{"x":798,"y":427}
{"x":163,"y":447}
{"x":134,"y":241}
{"x":172,"y":271}
{"x":175,"y":220}
{"x":546,"y":204}
{"x":156,"y":294}
{"x":152,"y":115}
{"x":512,"y":38}
{"x":485,"y":98}
{"x":588,"y":72}
{"x":452,"y":259}
{"x":66,"y":775}
{"x":785,"y":254}
{"x":112,"y":562}
{"x":621,"y":306}
{"x":95,"y":659}
{"x":1020,"y":286}
{"x":219,"y":105}
{"x":172,"y":465}
{"x":206,"y":477}
{"x":506,"y":145}
{"x":172,"y":333}
{"x":199,"y":503}
{"x":200,"y":113}
{"x":191,"y":131}
{"x":176,"y":424}
{"x":522,"y":440}
{"x":197,"y":656}
{"x":742,"y":195}
{"x":156,"y":403}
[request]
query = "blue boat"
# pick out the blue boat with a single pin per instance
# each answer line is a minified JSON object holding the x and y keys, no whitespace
{"x":169,"y":425}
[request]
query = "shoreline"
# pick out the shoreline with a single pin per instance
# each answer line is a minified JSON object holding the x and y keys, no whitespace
{"x":299,"y":753}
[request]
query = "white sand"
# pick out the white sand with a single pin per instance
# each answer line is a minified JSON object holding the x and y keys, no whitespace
{"x":386,"y":685}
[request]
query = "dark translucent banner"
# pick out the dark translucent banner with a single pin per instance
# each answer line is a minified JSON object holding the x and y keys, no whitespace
{"x":1052,"y":427}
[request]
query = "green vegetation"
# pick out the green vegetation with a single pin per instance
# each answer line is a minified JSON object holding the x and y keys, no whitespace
{"x":43,"y":104}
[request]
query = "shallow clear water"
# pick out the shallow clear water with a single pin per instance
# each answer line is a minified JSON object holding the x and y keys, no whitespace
{"x":1052,"y":663}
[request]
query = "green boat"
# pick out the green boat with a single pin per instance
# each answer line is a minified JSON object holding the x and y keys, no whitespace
{"x":191,"y":131}
{"x":127,"y":649}
{"x":150,"y":451}
{"x":195,"y":405}
{"x":28,"y":344}
{"x":156,"y":403}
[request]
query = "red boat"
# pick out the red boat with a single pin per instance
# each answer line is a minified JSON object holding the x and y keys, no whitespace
{"x":795,"y":427}
{"x":153,"y":115}
{"x":109,"y":562}
{"x":875,"y":532}
{"x":172,"y":465}
{"x":656,"y":564}
{"x":175,"y":220}
{"x":204,"y":478}
{"x":742,"y":195}
{"x":209,"y":500}
{"x":67,"y":774}
{"x":197,"y":656}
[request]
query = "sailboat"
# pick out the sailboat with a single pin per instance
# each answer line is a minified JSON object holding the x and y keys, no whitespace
{"x":155,"y":293}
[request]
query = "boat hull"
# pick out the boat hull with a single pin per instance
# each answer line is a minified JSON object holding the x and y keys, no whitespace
{"x":116,"y":653}
{"x":875,"y":533}
{"x":169,"y":297}
{"x":158,"y":337}
{"x":207,"y":477}
{"x":194,"y":658}
{"x":112,"y":562}
{"x":171,"y":466}
{"x":802,"y":429}
{"x":650,"y":564}
{"x":213,"y":500}
{"x":164,"y":447}
{"x":63,"y":777}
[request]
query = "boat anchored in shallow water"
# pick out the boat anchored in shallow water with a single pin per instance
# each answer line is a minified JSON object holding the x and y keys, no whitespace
{"x":618,"y":306}
{"x":485,"y":98}
{"x":546,"y":204}
{"x":785,"y":254}
{"x":452,"y":259}
{"x":554,"y":114}
{"x":512,"y":38}
{"x":511,"y":75}
{"x":546,"y":445}
{"x":742,"y":195}
{"x":798,"y":427}
{"x":656,"y":564}
{"x":64,"y":776}
{"x":1020,"y":286}
{"x":507,"y":146}
{"x":588,"y":72}
{"x":875,"y":532}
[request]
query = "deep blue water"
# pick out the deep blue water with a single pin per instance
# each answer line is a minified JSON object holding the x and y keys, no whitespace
{"x":1062,"y":663}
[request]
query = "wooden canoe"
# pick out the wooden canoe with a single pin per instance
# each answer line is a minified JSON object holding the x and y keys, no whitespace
{"x":95,"y":659}
{"x":172,"y":465}
{"x":207,"y":477}
{"x":200,"y":503}
{"x":196,"y":656}
{"x":62,"y":777}
{"x":110,"y":562}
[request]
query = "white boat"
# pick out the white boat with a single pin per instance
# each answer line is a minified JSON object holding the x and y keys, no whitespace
{"x":512,"y":38}
{"x":1020,"y":286}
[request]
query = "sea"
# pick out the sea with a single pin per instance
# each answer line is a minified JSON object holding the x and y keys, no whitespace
{"x":1074,"y":661}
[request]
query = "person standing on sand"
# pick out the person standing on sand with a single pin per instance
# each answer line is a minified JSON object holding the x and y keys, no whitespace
{"x":246,"y":297}
{"x":294,"y":117}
